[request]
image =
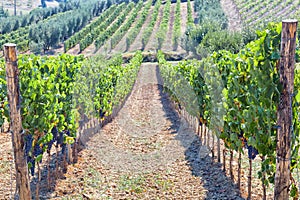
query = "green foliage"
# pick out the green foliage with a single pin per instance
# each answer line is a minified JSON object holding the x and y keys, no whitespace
{"x":107,"y":33}
{"x":257,"y":14}
{"x":101,"y":86}
{"x":19,"y":37}
{"x":210,"y":10}
{"x":58,"y":91}
{"x":220,"y":40}
{"x":211,"y":18}
{"x":148,"y":31}
{"x":119,"y":34}
{"x":46,"y":85}
{"x":134,"y":31}
{"x":49,"y":31}
{"x":177,"y":26}
{"x":88,"y":34}
{"x":239,"y":94}
{"x":3,"y":93}
{"x":3,"y":13}
{"x":195,"y":34}
{"x":163,"y":27}
{"x":12,"y":23}
{"x":190,"y":19}
{"x":36,"y":48}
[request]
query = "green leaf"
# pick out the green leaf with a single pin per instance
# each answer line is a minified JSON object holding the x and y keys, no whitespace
{"x":39,"y":158}
{"x":69,"y":140}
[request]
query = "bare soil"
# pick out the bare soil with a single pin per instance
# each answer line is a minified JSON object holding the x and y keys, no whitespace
{"x":183,"y":14}
{"x":147,"y":152}
{"x":152,"y":43}
{"x":121,"y":46}
{"x":7,"y":170}
{"x":280,"y":10}
{"x":137,"y":44}
{"x":168,"y":41}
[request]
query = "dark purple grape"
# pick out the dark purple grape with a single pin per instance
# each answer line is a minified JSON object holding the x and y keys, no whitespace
{"x":63,"y":148}
{"x":101,"y":113}
{"x":60,"y":139}
{"x":32,"y":161}
{"x":240,"y":135}
{"x":37,"y":151}
{"x":54,"y":134}
{"x":28,"y":143}
{"x":252,"y":152}
{"x":68,"y":133}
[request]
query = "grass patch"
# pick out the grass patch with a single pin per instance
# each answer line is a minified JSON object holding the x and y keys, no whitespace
{"x":132,"y":184}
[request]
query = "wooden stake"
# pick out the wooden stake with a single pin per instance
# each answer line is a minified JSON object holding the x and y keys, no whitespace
{"x":239,"y":170}
{"x":13,"y":93}
{"x":213,"y":147}
{"x":75,"y":151}
{"x":57,"y":162}
{"x":48,"y":171}
{"x":201,"y":133}
{"x":37,"y":189}
{"x":208,"y":138}
{"x":219,"y":150}
{"x":204,"y":135}
{"x":263,"y":184}
{"x":284,"y":110}
{"x":224,"y":160}
{"x":198,"y":128}
{"x":249,"y":180}
{"x":230,"y":165}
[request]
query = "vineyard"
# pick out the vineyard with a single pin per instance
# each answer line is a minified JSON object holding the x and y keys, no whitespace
{"x":111,"y":99}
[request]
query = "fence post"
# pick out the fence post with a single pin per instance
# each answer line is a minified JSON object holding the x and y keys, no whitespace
{"x":284,"y":110}
{"x":13,"y":93}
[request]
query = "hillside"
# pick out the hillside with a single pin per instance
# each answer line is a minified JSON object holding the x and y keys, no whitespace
{"x":24,"y":7}
{"x":151,"y":99}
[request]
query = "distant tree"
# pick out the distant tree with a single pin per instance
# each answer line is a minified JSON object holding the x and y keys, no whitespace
{"x":24,"y":22}
{"x":3,"y":13}
{"x":43,"y":2}
{"x":35,"y":48}
{"x":7,"y":27}
{"x":16,"y":25}
{"x":108,"y":3}
{"x":220,"y":40}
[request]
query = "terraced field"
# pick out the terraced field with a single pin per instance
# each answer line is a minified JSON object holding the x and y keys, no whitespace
{"x":149,"y":99}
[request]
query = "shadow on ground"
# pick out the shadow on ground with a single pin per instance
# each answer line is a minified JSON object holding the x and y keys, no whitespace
{"x":215,"y":181}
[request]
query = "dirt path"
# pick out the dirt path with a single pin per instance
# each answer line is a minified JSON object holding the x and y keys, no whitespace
{"x":7,"y":175}
{"x":183,"y":21}
{"x":152,"y":44}
{"x":232,"y":13}
{"x":167,"y":46}
{"x":147,"y":152}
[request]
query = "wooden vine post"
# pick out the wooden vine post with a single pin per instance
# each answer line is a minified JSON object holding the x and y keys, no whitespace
{"x":13,"y":93}
{"x":284,"y":111}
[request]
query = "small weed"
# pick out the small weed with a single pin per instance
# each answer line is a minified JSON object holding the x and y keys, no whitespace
{"x":92,"y":178}
{"x":132,"y":184}
{"x":162,"y":183}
